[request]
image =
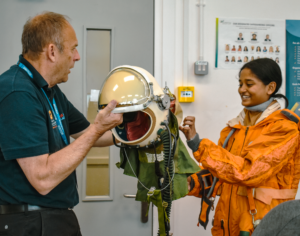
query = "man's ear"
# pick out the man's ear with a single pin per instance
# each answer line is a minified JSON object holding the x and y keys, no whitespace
{"x":51,"y":52}
{"x":271,"y":88}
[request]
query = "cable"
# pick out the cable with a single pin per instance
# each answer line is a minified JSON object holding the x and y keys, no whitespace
{"x":138,"y":178}
{"x":156,"y":166}
{"x":114,"y":139}
{"x":170,"y":148}
{"x":175,"y":143}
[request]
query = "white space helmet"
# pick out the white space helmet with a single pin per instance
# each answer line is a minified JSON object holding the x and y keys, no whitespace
{"x":144,"y":104}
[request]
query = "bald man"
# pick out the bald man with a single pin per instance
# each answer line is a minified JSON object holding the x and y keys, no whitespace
{"x":38,"y":186}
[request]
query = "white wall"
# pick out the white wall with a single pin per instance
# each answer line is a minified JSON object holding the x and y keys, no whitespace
{"x":216,"y":96}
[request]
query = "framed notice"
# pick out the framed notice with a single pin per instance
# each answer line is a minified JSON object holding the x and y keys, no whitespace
{"x":240,"y":40}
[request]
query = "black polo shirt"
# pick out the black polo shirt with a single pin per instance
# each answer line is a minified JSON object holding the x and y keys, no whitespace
{"x":27,"y":128}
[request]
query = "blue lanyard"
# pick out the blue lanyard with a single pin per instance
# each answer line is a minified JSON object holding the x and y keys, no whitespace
{"x":54,"y":111}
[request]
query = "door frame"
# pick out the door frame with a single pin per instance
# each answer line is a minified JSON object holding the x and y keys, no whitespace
{"x":109,"y":197}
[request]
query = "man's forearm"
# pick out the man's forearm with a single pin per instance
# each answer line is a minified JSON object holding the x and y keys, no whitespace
{"x":45,"y":172}
{"x":104,"y":140}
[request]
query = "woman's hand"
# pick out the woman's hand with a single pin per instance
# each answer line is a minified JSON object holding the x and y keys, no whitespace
{"x":188,"y":127}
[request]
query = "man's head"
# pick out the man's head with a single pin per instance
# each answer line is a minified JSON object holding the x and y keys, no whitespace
{"x":40,"y":31}
{"x":240,"y":35}
{"x":253,"y":36}
{"x":267,"y":36}
{"x":50,"y":39}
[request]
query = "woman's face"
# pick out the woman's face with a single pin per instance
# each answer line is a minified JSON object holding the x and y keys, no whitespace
{"x":252,"y":90}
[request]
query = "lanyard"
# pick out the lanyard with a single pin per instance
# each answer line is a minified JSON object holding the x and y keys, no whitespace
{"x":54,"y":111}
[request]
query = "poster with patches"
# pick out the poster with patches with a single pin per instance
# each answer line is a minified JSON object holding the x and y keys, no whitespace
{"x":240,"y":40}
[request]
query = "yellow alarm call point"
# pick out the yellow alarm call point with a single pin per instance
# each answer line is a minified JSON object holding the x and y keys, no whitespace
{"x":186,"y":94}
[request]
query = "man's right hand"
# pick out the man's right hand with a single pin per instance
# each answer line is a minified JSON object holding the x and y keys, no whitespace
{"x":106,"y":120}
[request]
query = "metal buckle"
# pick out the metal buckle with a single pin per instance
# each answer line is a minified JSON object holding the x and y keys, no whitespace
{"x":213,"y":203}
{"x":254,"y":222}
{"x":253,"y":214}
{"x":207,"y":180}
{"x":151,"y":191}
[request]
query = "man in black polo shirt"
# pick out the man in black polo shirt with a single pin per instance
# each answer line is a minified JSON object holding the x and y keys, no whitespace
{"x":37,"y":162}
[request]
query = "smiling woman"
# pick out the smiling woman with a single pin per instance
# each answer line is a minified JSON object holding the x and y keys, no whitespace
{"x":256,"y":159}
{"x":259,"y":81}
{"x":252,"y":90}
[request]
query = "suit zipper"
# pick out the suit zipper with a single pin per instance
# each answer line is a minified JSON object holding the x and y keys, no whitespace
{"x":229,"y":210}
{"x":232,"y":144}
{"x":222,"y":226}
{"x":244,"y":139}
{"x":232,"y":186}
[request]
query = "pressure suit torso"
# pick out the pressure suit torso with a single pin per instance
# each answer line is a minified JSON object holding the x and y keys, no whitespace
{"x":264,"y":156}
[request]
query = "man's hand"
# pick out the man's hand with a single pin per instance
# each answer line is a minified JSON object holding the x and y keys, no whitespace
{"x":188,"y":127}
{"x":105,"y":120}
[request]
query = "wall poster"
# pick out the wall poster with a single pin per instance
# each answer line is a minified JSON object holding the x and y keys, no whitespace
{"x":239,"y":40}
{"x":293,"y":63}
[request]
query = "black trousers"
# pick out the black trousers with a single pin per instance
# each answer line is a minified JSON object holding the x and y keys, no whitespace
{"x":52,"y":222}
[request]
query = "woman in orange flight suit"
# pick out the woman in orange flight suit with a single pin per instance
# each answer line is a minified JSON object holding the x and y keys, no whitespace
{"x":259,"y":167}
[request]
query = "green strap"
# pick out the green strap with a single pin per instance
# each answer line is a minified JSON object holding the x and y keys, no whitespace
{"x":154,"y":196}
{"x":244,"y":233}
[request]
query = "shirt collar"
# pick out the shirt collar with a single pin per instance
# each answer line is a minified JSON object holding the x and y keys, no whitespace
{"x":37,"y":78}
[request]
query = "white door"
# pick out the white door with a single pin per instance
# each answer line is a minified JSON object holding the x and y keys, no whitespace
{"x":108,"y":206}
{"x":130,"y":24}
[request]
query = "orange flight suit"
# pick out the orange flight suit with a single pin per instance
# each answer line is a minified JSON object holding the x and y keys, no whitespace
{"x":265,"y":156}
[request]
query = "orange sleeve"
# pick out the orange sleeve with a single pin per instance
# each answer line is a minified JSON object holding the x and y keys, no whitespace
{"x":265,"y":156}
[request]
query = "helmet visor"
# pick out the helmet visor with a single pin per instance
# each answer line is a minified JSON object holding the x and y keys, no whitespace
{"x":126,"y":86}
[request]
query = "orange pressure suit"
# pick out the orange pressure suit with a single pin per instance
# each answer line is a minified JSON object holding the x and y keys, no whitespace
{"x":264,"y":156}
